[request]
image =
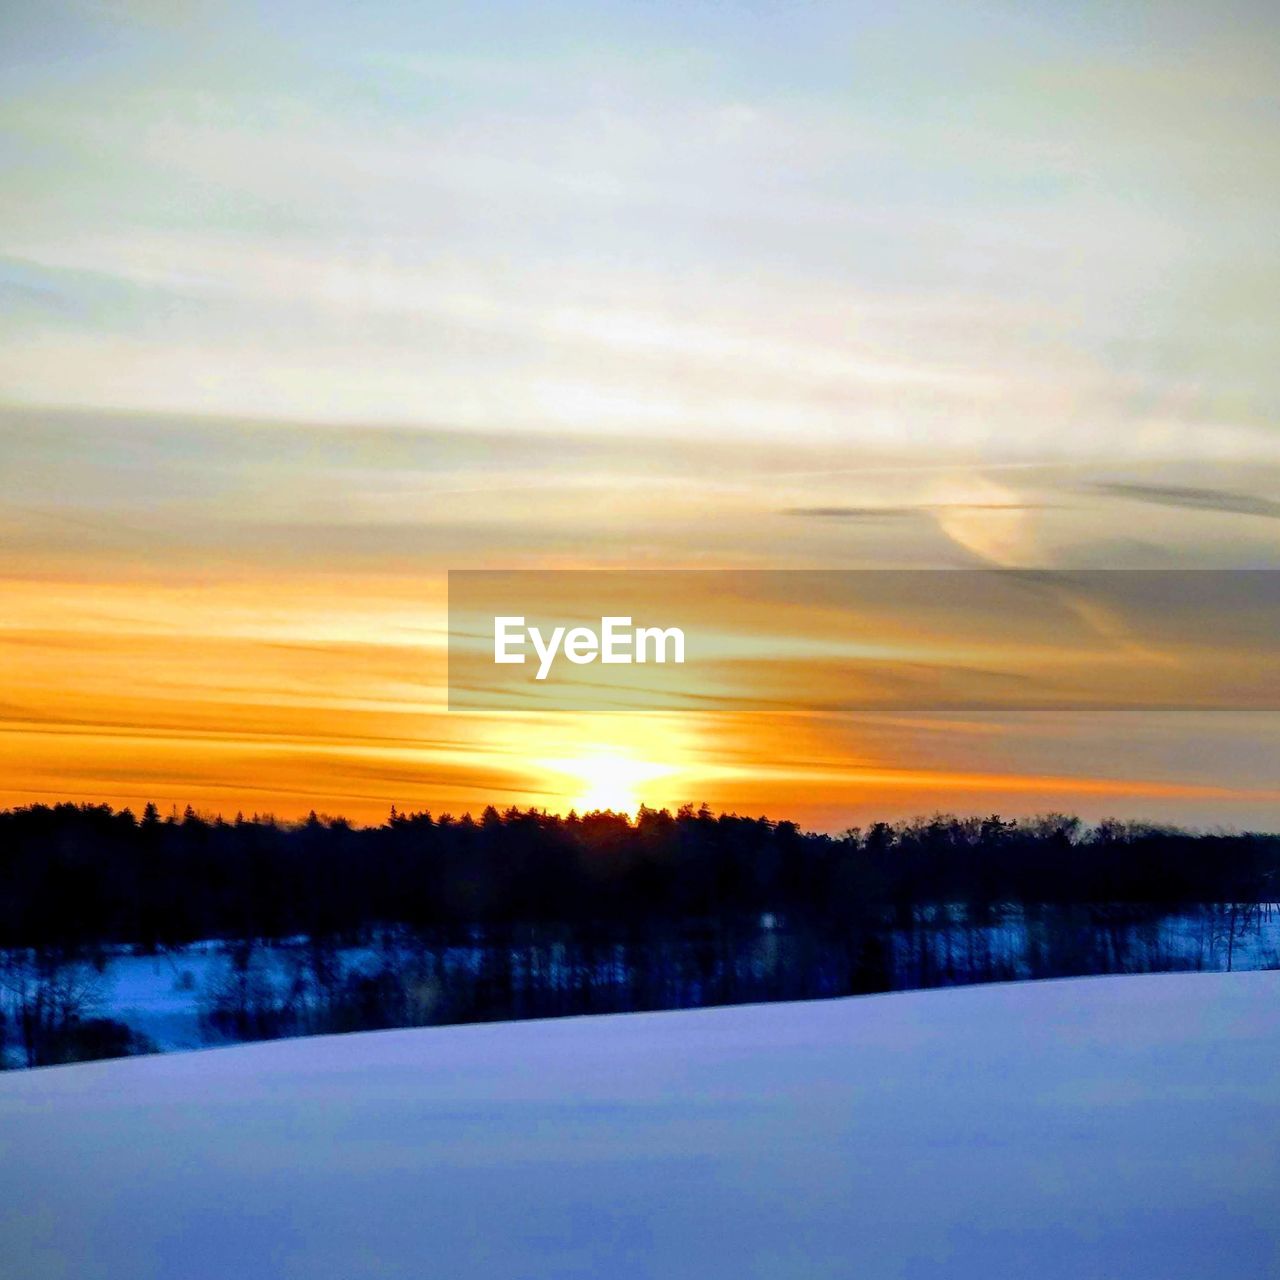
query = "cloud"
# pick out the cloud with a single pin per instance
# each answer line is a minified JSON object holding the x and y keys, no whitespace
{"x":1196,"y":499}
{"x":924,"y":508}
{"x":852,"y":513}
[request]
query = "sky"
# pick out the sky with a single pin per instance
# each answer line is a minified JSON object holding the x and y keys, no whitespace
{"x":301,"y":308}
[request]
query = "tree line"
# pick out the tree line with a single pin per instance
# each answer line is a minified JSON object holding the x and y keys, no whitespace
{"x":79,"y":876}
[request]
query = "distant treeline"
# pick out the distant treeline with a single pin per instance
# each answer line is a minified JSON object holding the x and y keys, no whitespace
{"x":77,"y":876}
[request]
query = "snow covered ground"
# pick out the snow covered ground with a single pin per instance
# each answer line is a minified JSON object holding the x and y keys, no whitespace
{"x":1101,"y":1127}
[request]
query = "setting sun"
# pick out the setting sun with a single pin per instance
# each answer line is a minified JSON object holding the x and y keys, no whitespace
{"x":608,"y":779}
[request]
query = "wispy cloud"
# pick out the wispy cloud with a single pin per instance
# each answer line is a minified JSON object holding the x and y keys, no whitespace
{"x":1196,"y":499}
{"x":752,"y":227}
{"x":918,"y":509}
{"x":853,"y":513}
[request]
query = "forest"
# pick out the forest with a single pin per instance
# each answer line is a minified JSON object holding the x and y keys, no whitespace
{"x":322,"y":925}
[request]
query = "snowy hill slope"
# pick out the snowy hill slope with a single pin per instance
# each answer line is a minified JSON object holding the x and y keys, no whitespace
{"x":1114,"y":1127}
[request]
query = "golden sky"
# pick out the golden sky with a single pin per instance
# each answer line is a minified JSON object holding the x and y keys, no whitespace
{"x":235,"y":616}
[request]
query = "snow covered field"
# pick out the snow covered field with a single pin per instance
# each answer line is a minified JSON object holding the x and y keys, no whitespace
{"x":1102,"y":1127}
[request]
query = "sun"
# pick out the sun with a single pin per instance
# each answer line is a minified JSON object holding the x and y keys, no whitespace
{"x":596,"y":762}
{"x":607,"y":779}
